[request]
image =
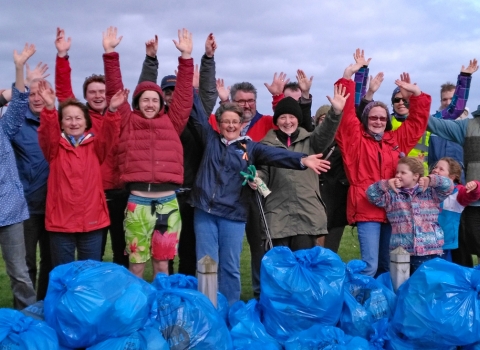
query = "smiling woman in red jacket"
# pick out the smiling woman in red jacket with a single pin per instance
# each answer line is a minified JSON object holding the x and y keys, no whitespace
{"x":76,"y":209}
{"x":370,"y":152}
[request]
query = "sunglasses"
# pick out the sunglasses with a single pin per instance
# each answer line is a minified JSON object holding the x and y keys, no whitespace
{"x":398,"y":99}
{"x":376,"y":117}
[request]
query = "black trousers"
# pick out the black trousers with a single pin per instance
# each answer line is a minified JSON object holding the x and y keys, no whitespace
{"x":468,"y":237}
{"x":116,"y":202}
{"x":186,"y":246}
{"x":256,"y":242}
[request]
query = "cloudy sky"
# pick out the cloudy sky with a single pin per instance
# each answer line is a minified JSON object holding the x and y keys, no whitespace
{"x":429,"y":39}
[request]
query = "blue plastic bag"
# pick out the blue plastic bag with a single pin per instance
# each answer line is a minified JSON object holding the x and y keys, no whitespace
{"x":386,"y":280}
{"x":188,"y":320}
{"x":89,"y":301}
{"x":366,"y":302}
{"x":35,"y":311}
{"x":247,"y":330}
{"x":178,"y":280}
{"x":20,"y":332}
{"x":439,"y":305}
{"x":398,"y":341}
{"x":378,"y":338}
{"x":148,"y":338}
{"x":325,"y":337}
{"x":300,"y":289}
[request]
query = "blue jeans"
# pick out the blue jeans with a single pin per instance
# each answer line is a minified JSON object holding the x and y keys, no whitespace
{"x":87,"y":244}
{"x":221,"y":239}
{"x":12,"y":243}
{"x":374,"y":238}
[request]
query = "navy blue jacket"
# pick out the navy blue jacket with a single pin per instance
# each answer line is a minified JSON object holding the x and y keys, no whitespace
{"x":218,"y":186}
{"x":32,"y":167}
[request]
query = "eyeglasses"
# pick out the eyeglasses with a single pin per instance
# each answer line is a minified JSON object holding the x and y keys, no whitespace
{"x":376,"y":117}
{"x":244,"y":102}
{"x":230,"y":122}
{"x":398,"y":99}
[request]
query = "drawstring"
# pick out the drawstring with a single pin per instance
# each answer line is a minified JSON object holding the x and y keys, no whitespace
{"x":153,"y":206}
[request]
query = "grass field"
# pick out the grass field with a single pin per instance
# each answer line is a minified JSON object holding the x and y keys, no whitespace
{"x":348,"y":250}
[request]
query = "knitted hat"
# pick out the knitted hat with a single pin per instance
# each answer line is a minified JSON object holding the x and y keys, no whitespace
{"x":368,"y":108}
{"x":322,"y":110}
{"x":287,"y":105}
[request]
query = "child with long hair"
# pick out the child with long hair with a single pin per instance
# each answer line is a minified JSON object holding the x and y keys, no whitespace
{"x":452,"y":207}
{"x":412,"y":204}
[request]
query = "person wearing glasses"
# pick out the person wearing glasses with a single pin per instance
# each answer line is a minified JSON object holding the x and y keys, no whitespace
{"x":221,"y":202}
{"x":370,"y":151}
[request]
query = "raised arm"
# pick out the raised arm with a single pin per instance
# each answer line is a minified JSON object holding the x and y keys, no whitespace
{"x":305,"y":83}
{"x":150,"y":64}
{"x":349,"y":131}
{"x":113,"y":75}
{"x":452,"y":130}
{"x":208,"y":88}
{"x":63,"y":80}
{"x":15,"y":114}
{"x":373,"y":86}
{"x":324,"y":133}
{"x":49,"y":132}
{"x":414,"y":127}
{"x":361,"y":76}
{"x":182,"y":103}
{"x":460,"y":96}
{"x":276,"y":87}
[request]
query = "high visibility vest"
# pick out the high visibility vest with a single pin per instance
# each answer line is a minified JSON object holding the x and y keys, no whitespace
{"x":420,"y":148}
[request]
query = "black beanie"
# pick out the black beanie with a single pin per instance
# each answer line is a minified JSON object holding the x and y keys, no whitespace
{"x":288,"y":105}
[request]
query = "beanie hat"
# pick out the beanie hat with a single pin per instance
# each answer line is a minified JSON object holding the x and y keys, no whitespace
{"x":399,"y":117}
{"x":322,"y":110}
{"x":368,"y":108}
{"x":287,"y":105}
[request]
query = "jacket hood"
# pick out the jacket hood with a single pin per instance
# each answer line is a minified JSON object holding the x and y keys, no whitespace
{"x":146,"y":86}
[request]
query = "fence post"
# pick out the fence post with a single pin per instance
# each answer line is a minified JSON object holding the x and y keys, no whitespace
{"x":399,"y":267}
{"x":207,"y":278}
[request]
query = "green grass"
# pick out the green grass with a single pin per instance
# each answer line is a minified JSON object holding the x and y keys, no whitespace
{"x":348,"y":251}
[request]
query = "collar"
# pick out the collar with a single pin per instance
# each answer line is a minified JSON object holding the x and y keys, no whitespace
{"x":75,"y":143}
{"x":30,"y":115}
{"x":283,"y":137}
{"x":400,"y":118}
{"x":228,"y":143}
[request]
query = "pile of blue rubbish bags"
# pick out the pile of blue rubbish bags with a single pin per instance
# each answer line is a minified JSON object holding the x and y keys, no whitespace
{"x":310,"y":300}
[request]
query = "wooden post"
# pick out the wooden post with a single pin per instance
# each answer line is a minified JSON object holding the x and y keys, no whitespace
{"x":399,"y":267}
{"x":207,"y":278}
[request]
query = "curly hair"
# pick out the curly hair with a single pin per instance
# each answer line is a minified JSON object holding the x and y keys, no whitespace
{"x":228,"y":107}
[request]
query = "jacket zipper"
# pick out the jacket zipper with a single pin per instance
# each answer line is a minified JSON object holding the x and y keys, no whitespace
{"x":217,"y":178}
{"x":152,"y":143}
{"x":380,"y":164}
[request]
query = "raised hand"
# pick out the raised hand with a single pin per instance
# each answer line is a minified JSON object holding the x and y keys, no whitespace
{"x":471,"y":186}
{"x":316,"y":163}
{"x":196,"y":78}
{"x":359,"y":57}
{"x":472,"y":67}
{"x":39,"y":72}
{"x":21,"y":58}
{"x":406,"y":87}
{"x":151,"y":47}
{"x":278,"y":83}
{"x":304,"y":83}
{"x":210,"y":45}
{"x":61,"y":44}
{"x":423,"y":182}
{"x":47,"y":94}
{"x":351,"y":70}
{"x":120,"y":97}
{"x":339,"y":98}
{"x":375,"y":83}
{"x":223,"y":92}
{"x":184,"y":43}
{"x":110,"y":40}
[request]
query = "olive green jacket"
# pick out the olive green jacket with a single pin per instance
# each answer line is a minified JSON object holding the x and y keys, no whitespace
{"x":295,"y":206}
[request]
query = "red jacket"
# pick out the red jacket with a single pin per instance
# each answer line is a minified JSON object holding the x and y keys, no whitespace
{"x":75,"y":198}
{"x":368,"y":161}
{"x":63,"y":90}
{"x":150,"y":150}
{"x":260,"y":125}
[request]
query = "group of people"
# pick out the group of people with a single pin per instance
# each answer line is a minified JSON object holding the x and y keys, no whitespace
{"x":166,"y":163}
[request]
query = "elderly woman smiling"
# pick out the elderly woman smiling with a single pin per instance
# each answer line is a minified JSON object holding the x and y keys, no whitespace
{"x":294,"y":210}
{"x":220,"y":201}
{"x":370,"y":151}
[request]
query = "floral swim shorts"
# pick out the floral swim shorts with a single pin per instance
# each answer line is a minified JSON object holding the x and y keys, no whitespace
{"x":152,"y":228}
